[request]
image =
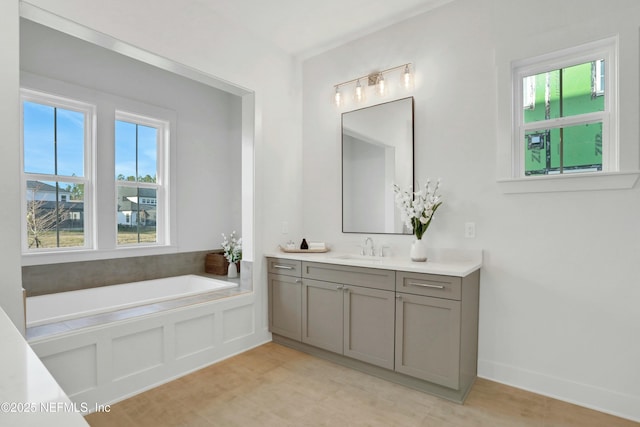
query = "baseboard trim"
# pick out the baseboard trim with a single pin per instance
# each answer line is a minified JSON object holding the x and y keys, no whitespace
{"x":600,"y":399}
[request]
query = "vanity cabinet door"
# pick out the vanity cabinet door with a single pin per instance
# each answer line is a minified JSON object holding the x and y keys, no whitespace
{"x":428,"y":339}
{"x":369,"y":325}
{"x":285,"y":306}
{"x":322,"y":314}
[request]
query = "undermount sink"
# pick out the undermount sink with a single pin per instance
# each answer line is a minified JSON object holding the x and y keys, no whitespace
{"x":361,"y":258}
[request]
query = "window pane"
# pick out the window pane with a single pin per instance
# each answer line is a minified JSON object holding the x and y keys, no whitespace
{"x":581,"y":148}
{"x":136,"y":152}
{"x":125,"y":151}
{"x":567,"y":92}
{"x":136,"y":215}
{"x":38,"y":125}
{"x":55,"y":214}
{"x":147,"y":153}
{"x":47,"y":129}
{"x":70,"y":145}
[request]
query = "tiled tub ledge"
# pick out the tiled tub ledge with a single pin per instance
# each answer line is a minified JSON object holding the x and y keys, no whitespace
{"x":67,"y":326}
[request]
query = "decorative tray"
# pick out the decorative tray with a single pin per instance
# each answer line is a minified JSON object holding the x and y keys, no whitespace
{"x":304,"y":251}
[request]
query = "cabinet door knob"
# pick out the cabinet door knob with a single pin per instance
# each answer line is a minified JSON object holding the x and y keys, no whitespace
{"x":298,"y":280}
{"x":398,"y":297}
{"x":346,"y":289}
{"x":339,"y":287}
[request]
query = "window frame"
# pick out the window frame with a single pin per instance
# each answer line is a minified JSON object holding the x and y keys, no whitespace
{"x":88,"y":179}
{"x":161,"y":185}
{"x":603,"y":49}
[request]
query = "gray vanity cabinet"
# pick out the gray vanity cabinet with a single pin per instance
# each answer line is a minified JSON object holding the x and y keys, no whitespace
{"x":285,"y":298}
{"x":354,"y":320}
{"x":416,"y":329}
{"x":437,"y":328}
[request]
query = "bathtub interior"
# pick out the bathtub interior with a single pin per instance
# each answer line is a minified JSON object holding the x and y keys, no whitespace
{"x":63,"y":306}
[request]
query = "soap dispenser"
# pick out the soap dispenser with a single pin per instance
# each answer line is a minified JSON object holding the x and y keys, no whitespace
{"x":304,"y":244}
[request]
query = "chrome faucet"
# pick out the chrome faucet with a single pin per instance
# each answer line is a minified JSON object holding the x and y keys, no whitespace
{"x":368,"y":243}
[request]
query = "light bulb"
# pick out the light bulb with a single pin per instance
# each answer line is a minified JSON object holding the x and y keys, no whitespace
{"x":381,"y":86}
{"x":359,"y":92}
{"x":337,"y":97}
{"x":407,"y":78}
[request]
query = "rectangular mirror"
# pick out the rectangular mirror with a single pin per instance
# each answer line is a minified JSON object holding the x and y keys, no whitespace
{"x":377,"y":152}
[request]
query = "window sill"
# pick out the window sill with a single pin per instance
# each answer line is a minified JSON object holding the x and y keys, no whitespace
{"x":570,"y":182}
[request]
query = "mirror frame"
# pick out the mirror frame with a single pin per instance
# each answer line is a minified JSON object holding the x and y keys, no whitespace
{"x":413,"y":168}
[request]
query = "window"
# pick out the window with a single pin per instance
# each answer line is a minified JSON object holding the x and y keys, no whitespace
{"x":566,"y":121}
{"x":57,"y":140}
{"x":140,"y":147}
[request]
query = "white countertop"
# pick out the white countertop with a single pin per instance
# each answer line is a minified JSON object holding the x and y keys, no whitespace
{"x":29,"y":395}
{"x":448,"y":262}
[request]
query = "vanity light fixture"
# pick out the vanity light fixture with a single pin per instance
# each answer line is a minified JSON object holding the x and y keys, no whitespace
{"x":359,"y":93}
{"x":337,"y":97}
{"x":381,"y":86}
{"x":376,"y":79}
{"x":407,"y":78}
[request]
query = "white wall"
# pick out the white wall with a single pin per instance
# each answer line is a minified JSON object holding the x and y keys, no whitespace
{"x":559,"y":286}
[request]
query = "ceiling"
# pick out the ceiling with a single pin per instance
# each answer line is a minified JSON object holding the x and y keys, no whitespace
{"x":307,"y":27}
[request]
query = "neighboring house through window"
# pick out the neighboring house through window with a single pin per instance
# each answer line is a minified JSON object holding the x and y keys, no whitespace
{"x":140,"y":144}
{"x":57,"y":142}
{"x":58,"y":184}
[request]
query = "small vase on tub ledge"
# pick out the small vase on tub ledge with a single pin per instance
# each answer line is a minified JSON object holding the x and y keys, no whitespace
{"x":232,"y":252}
{"x":416,"y":210}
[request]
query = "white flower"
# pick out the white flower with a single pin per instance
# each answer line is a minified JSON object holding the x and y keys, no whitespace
{"x":417,"y":209}
{"x":232,"y":247}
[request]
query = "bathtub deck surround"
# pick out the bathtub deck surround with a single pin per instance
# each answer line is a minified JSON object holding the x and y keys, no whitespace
{"x":415,"y":324}
{"x":116,"y":355}
{"x":45,"y":309}
{"x":54,"y":312}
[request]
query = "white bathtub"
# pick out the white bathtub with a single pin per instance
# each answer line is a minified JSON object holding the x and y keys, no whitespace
{"x":104,"y":359}
{"x":62,"y":306}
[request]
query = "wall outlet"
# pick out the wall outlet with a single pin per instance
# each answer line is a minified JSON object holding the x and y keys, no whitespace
{"x":470,"y":230}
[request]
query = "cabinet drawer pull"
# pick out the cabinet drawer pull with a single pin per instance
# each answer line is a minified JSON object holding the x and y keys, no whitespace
{"x":283,"y":267}
{"x":425,"y":285}
{"x":298,"y":280}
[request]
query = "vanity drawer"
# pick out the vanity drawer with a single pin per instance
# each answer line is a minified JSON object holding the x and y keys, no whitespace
{"x":358,"y":276}
{"x":432,"y":285}
{"x":285,"y":267}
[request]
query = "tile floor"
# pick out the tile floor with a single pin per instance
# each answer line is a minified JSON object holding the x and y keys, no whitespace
{"x":273,"y":385}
